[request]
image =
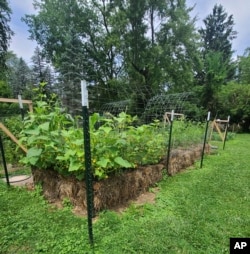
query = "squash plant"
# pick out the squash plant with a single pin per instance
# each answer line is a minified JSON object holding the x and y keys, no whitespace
{"x":55,"y":141}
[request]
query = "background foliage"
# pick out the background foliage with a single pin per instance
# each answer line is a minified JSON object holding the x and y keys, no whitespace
{"x":127,"y":51}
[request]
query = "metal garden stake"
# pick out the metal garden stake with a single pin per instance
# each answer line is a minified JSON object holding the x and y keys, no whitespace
{"x":225,"y":137}
{"x":170,"y":137}
{"x":4,"y":162}
{"x":87,"y":151}
{"x":205,"y":139}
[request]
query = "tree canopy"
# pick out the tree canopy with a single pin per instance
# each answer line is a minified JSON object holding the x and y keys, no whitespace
{"x":128,"y":52}
{"x":244,"y":67}
{"x":5,"y":31}
{"x":216,"y":53}
{"x":123,"y":48}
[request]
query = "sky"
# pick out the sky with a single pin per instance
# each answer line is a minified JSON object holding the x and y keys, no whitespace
{"x":23,"y":47}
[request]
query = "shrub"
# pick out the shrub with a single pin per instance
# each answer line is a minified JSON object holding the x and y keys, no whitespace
{"x":234,"y":100}
{"x":55,"y":141}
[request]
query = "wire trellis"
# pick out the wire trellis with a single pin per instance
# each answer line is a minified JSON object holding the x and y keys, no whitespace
{"x":116,"y":107}
{"x":159,"y":104}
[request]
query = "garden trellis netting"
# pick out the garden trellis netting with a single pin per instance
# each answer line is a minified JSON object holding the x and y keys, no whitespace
{"x":155,"y":107}
{"x":148,"y":109}
{"x":159,"y":104}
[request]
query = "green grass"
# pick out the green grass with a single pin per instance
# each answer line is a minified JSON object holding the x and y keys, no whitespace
{"x":196,"y":211}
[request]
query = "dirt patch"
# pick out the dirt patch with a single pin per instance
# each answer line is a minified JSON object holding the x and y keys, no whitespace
{"x":118,"y":191}
{"x":20,"y":180}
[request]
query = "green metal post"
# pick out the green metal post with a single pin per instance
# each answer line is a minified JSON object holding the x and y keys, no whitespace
{"x":88,"y":172}
{"x":87,"y":154}
{"x":4,"y":162}
{"x":205,"y":139}
{"x":170,"y":138}
{"x":225,"y":138}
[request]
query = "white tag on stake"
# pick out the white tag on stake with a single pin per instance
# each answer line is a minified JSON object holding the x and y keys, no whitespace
{"x":208,"y":116}
{"x":20,"y":101}
{"x":172,"y":115}
{"x":84,"y":92}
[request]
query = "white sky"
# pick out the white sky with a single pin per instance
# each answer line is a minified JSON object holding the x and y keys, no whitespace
{"x":24,"y":47}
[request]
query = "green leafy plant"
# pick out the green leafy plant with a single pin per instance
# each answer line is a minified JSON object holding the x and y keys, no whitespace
{"x":55,"y":141}
{"x":12,"y":152}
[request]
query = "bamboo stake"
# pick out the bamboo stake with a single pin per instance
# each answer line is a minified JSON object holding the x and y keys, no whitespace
{"x":29,"y":102}
{"x":8,"y":133}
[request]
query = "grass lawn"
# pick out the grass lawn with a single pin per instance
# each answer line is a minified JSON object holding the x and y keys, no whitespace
{"x":196,"y":211}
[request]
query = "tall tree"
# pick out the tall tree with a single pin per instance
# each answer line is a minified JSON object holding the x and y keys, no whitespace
{"x":244,"y":67}
{"x":216,"y":39}
{"x":123,"y":48}
{"x":41,"y":69}
{"x":42,"y":73}
{"x":218,"y":33}
{"x":179,"y":41}
{"x":5,"y":31}
{"x":19,"y":75}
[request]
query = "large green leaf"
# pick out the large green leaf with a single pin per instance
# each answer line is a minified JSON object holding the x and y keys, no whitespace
{"x":44,"y":126}
{"x":34,"y":152}
{"x":32,"y":132}
{"x":106,"y":129}
{"x":74,"y":165}
{"x":69,"y":153}
{"x":123,"y":163}
{"x":93,"y":120}
{"x":78,"y":142}
{"x":103,"y":162}
{"x":33,"y":160}
{"x":61,"y":158}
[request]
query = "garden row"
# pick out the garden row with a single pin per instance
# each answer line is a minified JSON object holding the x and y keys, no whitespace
{"x":55,"y":141}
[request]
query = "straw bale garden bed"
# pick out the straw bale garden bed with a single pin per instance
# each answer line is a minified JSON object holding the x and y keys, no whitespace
{"x":127,"y":158}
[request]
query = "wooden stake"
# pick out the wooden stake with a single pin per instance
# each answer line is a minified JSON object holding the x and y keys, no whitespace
{"x":8,"y":133}
{"x":29,"y":102}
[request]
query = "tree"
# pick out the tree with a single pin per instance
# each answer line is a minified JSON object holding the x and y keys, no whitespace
{"x":19,"y":75}
{"x":6,"y":109}
{"x":234,"y":100}
{"x":123,"y":48}
{"x":179,"y":41}
{"x":75,"y":42}
{"x":244,"y":67}
{"x":39,"y":66}
{"x":218,"y":67}
{"x":5,"y":31}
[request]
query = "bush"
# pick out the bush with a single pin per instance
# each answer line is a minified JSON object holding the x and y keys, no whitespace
{"x":12,"y":151}
{"x":234,"y":100}
{"x":55,"y":141}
